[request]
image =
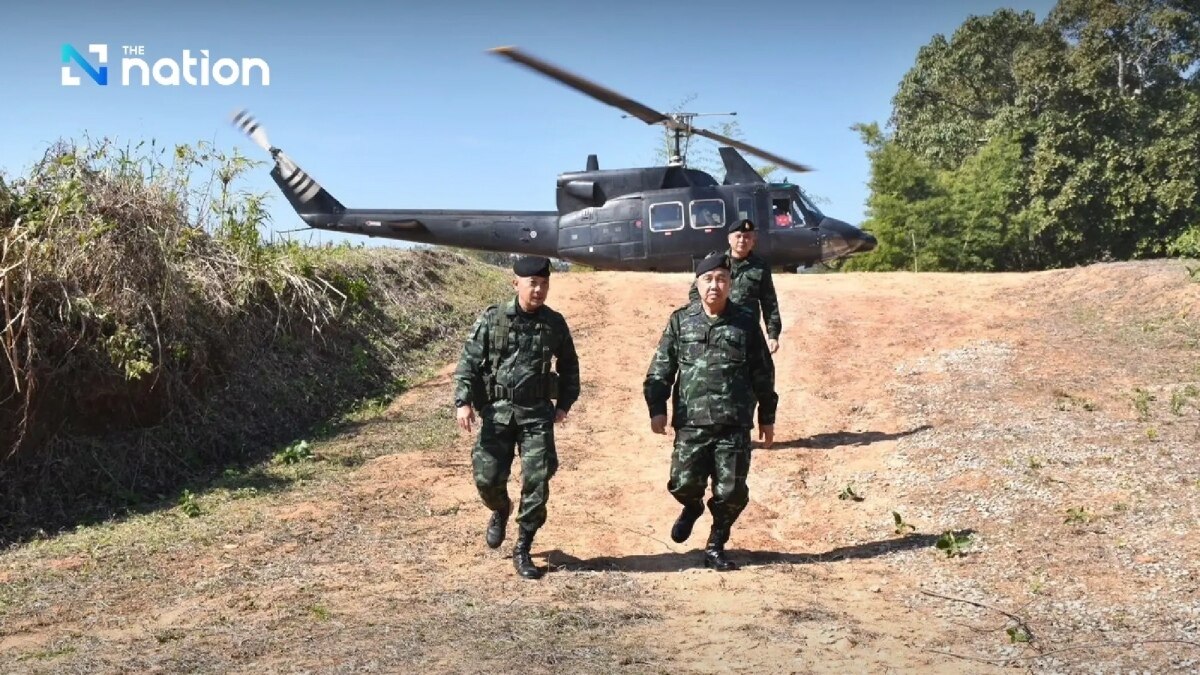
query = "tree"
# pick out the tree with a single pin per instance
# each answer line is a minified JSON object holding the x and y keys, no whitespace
{"x":945,"y":102}
{"x":1018,"y":145}
{"x":1133,"y":47}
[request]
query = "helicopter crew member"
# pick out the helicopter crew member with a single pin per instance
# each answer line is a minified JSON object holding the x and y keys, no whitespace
{"x":753,"y":286}
{"x":505,"y":375}
{"x":713,"y":364}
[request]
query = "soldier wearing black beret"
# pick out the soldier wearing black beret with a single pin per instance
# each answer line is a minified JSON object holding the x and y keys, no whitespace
{"x":713,"y":368}
{"x":505,"y":375}
{"x":753,"y":286}
{"x":532,"y":266}
{"x":743,"y":225}
{"x":712,"y":262}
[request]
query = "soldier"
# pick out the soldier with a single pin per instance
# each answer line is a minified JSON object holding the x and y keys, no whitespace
{"x":504,"y":374}
{"x":752,"y":283}
{"x":713,"y":364}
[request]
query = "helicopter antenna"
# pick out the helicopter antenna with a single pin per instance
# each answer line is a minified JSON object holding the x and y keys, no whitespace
{"x":679,"y":123}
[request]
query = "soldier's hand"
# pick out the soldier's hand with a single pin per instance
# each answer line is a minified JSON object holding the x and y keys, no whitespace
{"x":772,"y":345}
{"x":466,"y":418}
{"x":766,"y":434}
{"x":658,"y":424}
{"x":560,"y":415}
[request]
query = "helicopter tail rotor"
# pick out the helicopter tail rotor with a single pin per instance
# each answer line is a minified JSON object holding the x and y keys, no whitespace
{"x":243,"y":120}
{"x":301,"y":189}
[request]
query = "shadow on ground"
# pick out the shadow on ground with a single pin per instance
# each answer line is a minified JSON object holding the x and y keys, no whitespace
{"x":561,"y":561}
{"x":838,"y":438}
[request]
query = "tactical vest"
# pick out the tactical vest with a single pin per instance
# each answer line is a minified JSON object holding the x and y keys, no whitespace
{"x":543,"y":386}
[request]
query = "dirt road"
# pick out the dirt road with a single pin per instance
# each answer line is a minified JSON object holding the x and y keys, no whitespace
{"x":1003,"y":409}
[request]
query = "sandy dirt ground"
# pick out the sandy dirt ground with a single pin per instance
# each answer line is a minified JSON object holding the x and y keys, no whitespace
{"x":1044,"y":420}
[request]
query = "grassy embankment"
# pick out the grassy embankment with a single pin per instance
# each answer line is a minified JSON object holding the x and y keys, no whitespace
{"x":154,"y":343}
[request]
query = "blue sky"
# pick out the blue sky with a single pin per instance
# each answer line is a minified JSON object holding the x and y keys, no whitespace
{"x":399,"y":105}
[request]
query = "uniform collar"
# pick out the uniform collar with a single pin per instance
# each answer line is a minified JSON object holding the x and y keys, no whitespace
{"x":697,"y":307}
{"x":734,"y":262}
{"x":514,"y":309}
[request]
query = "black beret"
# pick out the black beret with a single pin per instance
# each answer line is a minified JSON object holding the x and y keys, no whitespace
{"x":712,"y":262}
{"x":744,"y":225}
{"x":532,"y":266}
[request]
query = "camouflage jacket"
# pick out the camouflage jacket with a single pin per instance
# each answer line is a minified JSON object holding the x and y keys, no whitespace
{"x":754,"y":288}
{"x":713,"y":370}
{"x":506,"y":361}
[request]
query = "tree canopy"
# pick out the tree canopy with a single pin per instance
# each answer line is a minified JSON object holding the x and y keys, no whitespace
{"x":1017,"y":144}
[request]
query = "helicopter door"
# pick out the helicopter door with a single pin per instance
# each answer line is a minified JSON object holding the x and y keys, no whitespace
{"x":666,"y":225}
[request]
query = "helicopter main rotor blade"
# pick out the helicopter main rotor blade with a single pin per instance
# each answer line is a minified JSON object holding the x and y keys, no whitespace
{"x":746,"y":147}
{"x":638,"y":110}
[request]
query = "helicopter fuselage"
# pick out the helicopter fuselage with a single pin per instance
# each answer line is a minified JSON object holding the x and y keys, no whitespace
{"x":666,"y":230}
{"x":657,"y":219}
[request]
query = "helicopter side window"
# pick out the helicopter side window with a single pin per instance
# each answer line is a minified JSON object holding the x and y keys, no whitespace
{"x":666,"y":217}
{"x":708,"y":214}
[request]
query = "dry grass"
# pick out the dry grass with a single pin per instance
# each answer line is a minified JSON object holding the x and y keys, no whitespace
{"x":151,"y":337}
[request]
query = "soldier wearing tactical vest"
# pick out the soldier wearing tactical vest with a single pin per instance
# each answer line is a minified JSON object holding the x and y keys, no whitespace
{"x":752,"y":282}
{"x":505,"y":374}
{"x":714,"y":366}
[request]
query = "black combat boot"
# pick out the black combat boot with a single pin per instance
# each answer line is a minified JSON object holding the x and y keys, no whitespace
{"x":714,"y":553}
{"x":496,"y":526}
{"x":682,"y":529}
{"x":520,"y":555}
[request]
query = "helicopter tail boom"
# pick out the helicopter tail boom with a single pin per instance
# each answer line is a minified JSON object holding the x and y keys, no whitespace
{"x":512,"y":231}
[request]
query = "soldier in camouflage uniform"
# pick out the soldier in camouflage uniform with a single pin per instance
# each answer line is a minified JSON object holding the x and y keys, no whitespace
{"x":714,"y":366}
{"x":504,"y":374}
{"x":752,"y":282}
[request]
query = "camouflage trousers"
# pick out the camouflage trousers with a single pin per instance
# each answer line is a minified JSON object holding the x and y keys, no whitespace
{"x":719,"y":453}
{"x":492,"y":460}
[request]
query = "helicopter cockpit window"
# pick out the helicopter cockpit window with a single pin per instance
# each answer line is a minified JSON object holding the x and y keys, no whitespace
{"x":809,"y":207}
{"x":666,"y":217}
{"x":708,"y":214}
{"x":785,"y":214}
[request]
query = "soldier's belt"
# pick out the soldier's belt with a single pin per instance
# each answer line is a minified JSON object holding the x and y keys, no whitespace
{"x":528,"y":394}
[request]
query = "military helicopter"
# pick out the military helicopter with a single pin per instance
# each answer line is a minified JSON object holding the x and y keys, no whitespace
{"x":658,"y":219}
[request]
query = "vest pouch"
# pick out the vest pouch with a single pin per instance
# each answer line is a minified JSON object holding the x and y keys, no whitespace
{"x":479,"y":393}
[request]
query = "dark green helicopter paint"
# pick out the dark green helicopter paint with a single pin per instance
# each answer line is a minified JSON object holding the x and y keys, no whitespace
{"x":649,"y":218}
